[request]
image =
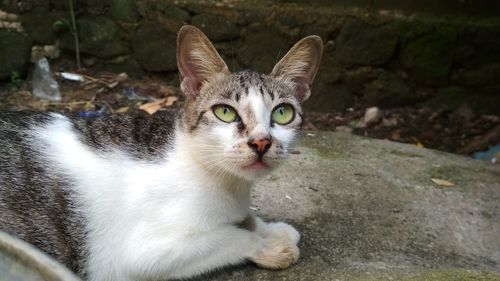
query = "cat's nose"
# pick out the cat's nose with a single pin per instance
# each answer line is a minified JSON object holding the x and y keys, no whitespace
{"x":260,"y":146}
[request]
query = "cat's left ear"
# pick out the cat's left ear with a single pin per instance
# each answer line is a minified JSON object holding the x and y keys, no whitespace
{"x":197,"y":60}
{"x":300,"y":65}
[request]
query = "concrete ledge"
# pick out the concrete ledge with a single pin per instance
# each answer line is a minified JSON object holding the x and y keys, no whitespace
{"x":368,"y":210}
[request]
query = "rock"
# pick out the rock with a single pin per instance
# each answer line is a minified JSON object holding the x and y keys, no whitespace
{"x":129,"y":66}
{"x":48,"y":51}
{"x":261,"y":49}
{"x":63,"y":5}
{"x":328,"y":98}
{"x":368,"y":210}
{"x":167,"y":15}
{"x":154,"y":48}
{"x":429,"y":58}
{"x":356,"y":79}
{"x":487,"y":74}
{"x":389,"y":122}
{"x":329,"y":72}
{"x":17,"y":6}
{"x":217,"y":28}
{"x":39,"y":24}
{"x":124,"y":11}
{"x":94,"y":7}
{"x":448,"y":98}
{"x":362,"y":44}
{"x":15,"y":49}
{"x":99,"y":36}
{"x":372,"y":116}
{"x":477,"y":46}
{"x":388,"y":90}
{"x":452,"y":98}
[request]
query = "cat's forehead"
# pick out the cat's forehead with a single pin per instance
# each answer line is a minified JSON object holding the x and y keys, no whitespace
{"x":241,"y":86}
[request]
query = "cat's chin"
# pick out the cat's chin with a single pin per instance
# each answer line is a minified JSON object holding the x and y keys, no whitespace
{"x":257,"y":166}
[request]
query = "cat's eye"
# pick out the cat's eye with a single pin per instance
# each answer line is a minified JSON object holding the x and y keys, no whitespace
{"x":225,"y":113}
{"x":283,"y":114}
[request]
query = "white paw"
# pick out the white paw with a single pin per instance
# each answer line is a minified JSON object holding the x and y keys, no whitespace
{"x":277,"y":253}
{"x":281,"y":229}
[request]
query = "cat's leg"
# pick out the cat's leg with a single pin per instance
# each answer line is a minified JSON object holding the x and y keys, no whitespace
{"x":198,"y":253}
{"x":276,"y":229}
{"x":279,"y":231}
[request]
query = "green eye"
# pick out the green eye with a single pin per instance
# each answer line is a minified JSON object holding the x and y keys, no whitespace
{"x":283,"y":114}
{"x":225,"y":113}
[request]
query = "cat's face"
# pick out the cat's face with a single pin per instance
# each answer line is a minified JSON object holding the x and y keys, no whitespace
{"x":243,"y":123}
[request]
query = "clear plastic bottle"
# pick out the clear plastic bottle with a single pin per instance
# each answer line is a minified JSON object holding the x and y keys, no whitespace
{"x":43,"y":83}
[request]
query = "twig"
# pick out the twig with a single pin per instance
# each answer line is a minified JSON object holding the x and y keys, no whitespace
{"x":75,"y":34}
{"x":73,"y":102}
{"x":491,"y":137}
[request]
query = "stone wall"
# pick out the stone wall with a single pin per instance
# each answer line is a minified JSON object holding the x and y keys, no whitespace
{"x":373,"y":56}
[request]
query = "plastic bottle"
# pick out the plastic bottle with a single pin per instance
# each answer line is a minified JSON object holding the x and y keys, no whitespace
{"x":44,"y":85}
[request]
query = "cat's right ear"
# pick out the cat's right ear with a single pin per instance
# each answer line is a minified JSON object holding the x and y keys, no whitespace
{"x":197,"y":60}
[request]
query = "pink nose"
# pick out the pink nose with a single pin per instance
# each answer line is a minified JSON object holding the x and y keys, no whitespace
{"x":260,"y":146}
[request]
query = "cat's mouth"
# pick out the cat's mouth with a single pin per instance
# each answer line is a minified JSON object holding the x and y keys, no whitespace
{"x":257,"y":165}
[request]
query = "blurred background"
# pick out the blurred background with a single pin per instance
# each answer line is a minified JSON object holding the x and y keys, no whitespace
{"x":421,"y":72}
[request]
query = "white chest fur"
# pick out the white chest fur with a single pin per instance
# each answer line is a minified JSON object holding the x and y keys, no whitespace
{"x":139,"y":209}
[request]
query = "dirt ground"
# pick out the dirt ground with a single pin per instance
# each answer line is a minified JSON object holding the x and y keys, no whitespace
{"x":103,"y":93}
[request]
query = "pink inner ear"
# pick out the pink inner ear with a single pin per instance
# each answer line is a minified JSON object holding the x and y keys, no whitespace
{"x":303,"y":91}
{"x":191,"y":86}
{"x":190,"y":76}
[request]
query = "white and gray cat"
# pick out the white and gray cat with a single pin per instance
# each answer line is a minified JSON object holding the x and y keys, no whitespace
{"x":147,"y":198}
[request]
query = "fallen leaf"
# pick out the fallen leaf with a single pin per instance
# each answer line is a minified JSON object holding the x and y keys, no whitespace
{"x":122,"y":109}
{"x":170,"y":101}
{"x":419,"y":144}
{"x":113,"y":84}
{"x":443,"y":183}
{"x":152,"y":107}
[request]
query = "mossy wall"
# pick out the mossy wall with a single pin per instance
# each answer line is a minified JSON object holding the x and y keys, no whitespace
{"x":385,"y":53}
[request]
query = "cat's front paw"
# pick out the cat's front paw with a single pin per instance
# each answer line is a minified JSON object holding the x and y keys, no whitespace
{"x":284,"y":230}
{"x":277,"y":253}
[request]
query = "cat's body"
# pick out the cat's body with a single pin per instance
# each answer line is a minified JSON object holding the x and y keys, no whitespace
{"x":148,"y":198}
{"x":39,"y":197}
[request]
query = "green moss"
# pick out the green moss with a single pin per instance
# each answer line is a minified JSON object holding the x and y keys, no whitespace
{"x":405,"y":154}
{"x":429,"y":58}
{"x":448,"y":98}
{"x":323,"y":147}
{"x":124,"y":10}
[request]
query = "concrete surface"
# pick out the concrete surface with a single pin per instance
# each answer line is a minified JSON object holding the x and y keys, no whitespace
{"x":368,"y":210}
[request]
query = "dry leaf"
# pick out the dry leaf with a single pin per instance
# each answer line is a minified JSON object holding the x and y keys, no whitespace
{"x":419,"y":144}
{"x":113,"y":84}
{"x":170,"y":101}
{"x":122,"y":109}
{"x":443,"y":183}
{"x":152,"y":107}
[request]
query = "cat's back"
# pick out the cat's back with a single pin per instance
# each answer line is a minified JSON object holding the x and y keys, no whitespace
{"x":36,"y":200}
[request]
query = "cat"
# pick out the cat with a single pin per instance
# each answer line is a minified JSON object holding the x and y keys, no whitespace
{"x":133,"y":197}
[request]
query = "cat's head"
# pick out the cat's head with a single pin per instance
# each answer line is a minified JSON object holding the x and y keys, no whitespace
{"x":242,"y":123}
